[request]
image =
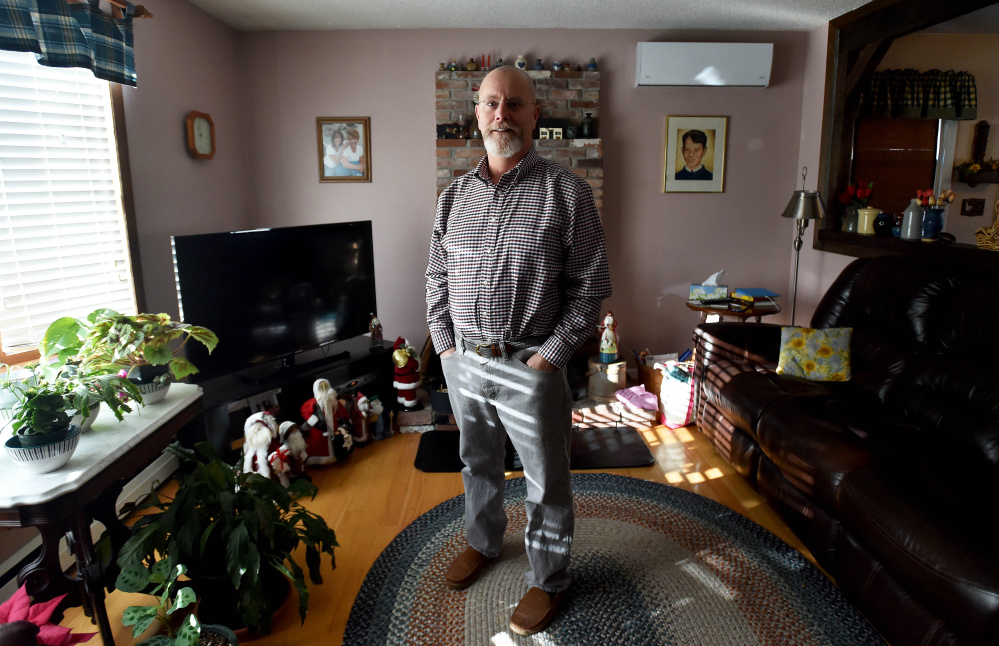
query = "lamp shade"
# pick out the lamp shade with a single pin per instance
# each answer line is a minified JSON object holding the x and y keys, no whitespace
{"x":805,"y":205}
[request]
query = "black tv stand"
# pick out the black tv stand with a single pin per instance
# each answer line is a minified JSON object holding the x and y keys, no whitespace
{"x":291,"y":370}
{"x":353,"y":362}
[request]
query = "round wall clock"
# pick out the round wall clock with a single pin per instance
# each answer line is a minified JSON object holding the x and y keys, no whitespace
{"x":200,"y":135}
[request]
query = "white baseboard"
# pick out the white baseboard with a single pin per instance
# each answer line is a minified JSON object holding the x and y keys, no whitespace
{"x":138,"y":487}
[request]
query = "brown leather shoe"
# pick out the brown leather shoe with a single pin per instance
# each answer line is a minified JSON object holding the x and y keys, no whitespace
{"x":535,"y":611}
{"x":466,"y":569}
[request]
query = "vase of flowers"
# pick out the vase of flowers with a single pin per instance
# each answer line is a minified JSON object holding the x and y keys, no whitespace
{"x":933,"y":211}
{"x":857,"y":197}
{"x":974,"y":171}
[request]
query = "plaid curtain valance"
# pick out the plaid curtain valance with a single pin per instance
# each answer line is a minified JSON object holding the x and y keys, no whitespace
{"x":64,"y":34}
{"x":928,"y":95}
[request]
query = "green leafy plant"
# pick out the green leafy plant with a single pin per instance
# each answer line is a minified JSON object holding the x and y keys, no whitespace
{"x":65,"y":336}
{"x":106,"y":342}
{"x":170,"y":597}
{"x":47,"y":401}
{"x":239,"y":525}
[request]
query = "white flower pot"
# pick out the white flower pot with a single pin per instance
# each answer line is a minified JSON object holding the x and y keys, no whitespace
{"x":153,"y":393}
{"x":44,"y":458}
{"x":85,"y":424}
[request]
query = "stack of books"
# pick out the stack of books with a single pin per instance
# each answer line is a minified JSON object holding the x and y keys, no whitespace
{"x":756,"y":297}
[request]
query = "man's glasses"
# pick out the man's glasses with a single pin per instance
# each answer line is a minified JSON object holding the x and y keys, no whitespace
{"x":512,"y":105}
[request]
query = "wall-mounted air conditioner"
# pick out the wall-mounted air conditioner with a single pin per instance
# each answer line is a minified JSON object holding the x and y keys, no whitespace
{"x":711,"y":64}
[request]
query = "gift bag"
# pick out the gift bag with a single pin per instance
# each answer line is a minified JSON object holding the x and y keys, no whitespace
{"x":676,"y":394}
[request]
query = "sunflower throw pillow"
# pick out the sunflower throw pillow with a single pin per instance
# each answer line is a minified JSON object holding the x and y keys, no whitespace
{"x":817,"y":355}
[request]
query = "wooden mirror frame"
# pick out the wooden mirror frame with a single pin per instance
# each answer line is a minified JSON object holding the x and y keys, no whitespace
{"x":858,"y":41}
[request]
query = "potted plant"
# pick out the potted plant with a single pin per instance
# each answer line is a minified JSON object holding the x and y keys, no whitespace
{"x":237,"y":532}
{"x":107,"y":342}
{"x":44,"y":439}
{"x":46,"y":399}
{"x":161,"y":582}
{"x":24,"y":623}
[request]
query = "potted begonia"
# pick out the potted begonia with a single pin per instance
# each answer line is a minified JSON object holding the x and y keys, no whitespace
{"x":145,"y":348}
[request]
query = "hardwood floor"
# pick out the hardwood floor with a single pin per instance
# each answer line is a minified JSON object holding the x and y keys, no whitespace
{"x":377,"y":492}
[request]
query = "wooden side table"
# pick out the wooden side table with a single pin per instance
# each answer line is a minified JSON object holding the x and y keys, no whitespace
{"x":756,"y":310}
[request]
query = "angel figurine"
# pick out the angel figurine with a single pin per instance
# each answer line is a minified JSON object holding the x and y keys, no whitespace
{"x":608,"y":339}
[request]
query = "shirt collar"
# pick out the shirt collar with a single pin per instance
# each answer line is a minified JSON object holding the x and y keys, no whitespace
{"x":522,"y":169}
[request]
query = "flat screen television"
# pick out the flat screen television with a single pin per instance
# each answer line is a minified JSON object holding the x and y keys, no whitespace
{"x":270,"y":294}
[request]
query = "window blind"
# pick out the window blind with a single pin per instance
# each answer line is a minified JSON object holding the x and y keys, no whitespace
{"x":63,"y":243}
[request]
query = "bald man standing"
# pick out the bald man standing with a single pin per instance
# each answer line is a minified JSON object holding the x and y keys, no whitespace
{"x":516,"y":278}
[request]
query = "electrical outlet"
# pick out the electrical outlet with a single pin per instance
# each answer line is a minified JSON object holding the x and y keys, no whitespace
{"x":972,"y":207}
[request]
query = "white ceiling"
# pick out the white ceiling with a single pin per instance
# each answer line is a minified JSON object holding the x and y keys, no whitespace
{"x":776,"y":15}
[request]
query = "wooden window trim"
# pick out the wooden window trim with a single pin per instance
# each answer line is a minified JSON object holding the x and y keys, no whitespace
{"x":127,"y":195}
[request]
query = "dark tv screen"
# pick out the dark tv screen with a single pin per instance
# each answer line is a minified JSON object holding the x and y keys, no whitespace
{"x":272,"y":293}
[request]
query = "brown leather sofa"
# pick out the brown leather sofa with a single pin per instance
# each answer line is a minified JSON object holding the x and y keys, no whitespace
{"x":890,"y":479}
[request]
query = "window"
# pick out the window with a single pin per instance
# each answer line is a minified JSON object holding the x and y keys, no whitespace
{"x":899,"y":155}
{"x":63,"y":237}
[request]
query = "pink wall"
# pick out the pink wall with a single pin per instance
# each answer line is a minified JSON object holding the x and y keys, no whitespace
{"x":817,"y":269}
{"x":265,"y":90}
{"x":658,"y":243}
{"x":185,"y":60}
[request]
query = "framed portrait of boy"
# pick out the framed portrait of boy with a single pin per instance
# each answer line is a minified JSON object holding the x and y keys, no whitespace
{"x":695,"y":154}
{"x":344,"y":149}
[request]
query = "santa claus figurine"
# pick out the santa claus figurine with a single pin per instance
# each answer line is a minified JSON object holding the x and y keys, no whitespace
{"x":360,"y":415}
{"x":608,"y":339}
{"x":327,"y":425}
{"x":259,"y":430}
{"x":290,"y":436}
{"x":375,"y":328}
{"x":378,"y":423}
{"x":407,"y":374}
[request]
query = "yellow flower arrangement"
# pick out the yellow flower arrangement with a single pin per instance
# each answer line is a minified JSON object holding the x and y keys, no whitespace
{"x":978,"y":166}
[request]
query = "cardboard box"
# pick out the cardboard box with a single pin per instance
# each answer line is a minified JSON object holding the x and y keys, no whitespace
{"x":699,"y":292}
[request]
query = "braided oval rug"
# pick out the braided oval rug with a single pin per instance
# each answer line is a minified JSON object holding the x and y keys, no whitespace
{"x":651,"y":564}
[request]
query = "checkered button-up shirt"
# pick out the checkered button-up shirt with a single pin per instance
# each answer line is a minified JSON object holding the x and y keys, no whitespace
{"x":522,"y":258}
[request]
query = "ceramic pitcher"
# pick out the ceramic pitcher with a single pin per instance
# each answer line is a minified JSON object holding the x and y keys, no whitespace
{"x":912,"y":221}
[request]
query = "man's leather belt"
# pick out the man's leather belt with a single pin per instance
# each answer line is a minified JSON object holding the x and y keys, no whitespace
{"x":496,"y":349}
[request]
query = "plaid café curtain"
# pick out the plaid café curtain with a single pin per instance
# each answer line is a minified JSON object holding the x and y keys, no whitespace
{"x":928,"y":95}
{"x":64,"y":34}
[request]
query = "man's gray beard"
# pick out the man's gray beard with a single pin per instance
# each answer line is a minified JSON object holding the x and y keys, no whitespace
{"x":504,"y":146}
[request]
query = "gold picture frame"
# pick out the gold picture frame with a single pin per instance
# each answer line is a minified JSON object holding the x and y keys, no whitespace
{"x":344,"y":145}
{"x":700,"y":141}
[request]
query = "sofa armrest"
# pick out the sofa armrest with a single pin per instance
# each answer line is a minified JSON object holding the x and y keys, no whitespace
{"x":757,"y":343}
{"x":756,"y":346}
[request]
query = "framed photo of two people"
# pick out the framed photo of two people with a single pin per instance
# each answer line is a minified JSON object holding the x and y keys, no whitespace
{"x":695,"y":154}
{"x":344,"y":149}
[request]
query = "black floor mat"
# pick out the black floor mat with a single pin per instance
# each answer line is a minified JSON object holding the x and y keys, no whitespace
{"x":592,"y":448}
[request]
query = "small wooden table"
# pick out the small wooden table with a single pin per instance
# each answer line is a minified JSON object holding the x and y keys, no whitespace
{"x":756,"y":310}
{"x":65,"y":502}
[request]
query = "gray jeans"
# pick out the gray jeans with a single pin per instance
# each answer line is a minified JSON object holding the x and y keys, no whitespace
{"x":496,"y":397}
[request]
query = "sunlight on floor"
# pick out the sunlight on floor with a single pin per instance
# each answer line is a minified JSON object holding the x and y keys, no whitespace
{"x":668,"y":447}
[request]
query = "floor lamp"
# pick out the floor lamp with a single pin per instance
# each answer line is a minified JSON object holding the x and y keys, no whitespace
{"x":804,"y":206}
